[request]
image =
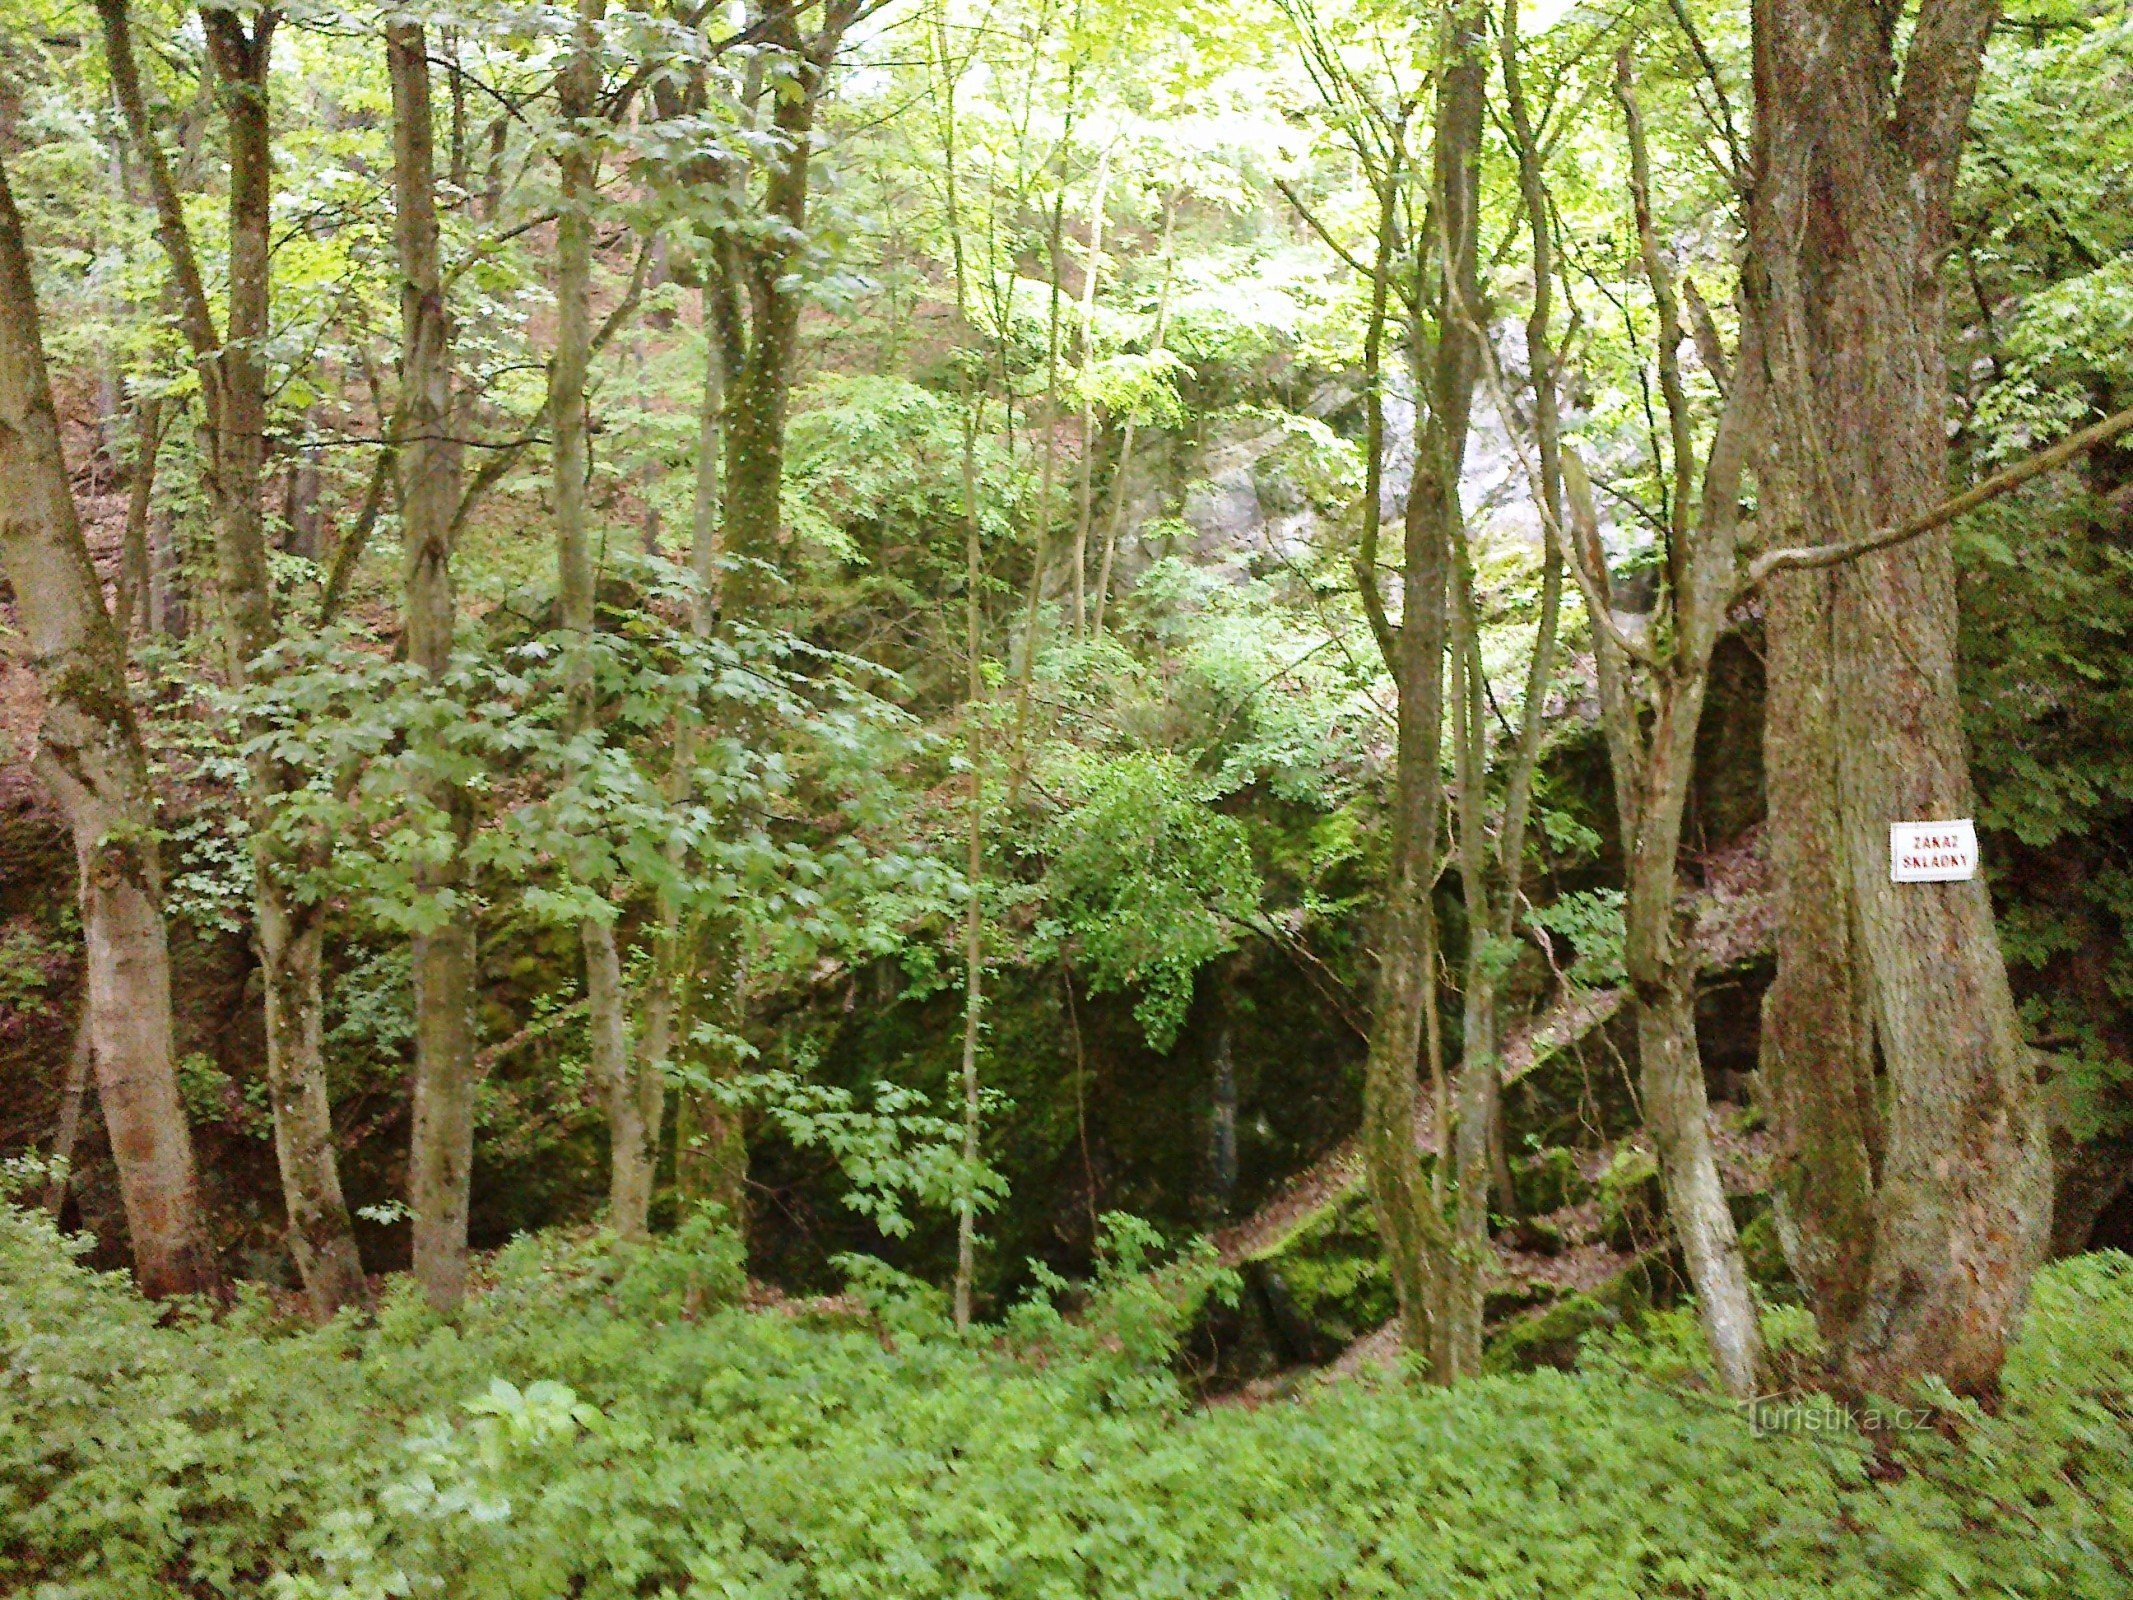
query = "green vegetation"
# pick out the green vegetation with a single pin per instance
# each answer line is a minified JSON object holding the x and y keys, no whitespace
{"x":1064,"y":798}
{"x":606,"y":1422}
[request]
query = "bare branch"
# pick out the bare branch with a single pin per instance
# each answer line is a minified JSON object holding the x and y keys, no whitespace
{"x":1802,"y":557}
{"x":352,"y":545}
{"x":1347,"y":257}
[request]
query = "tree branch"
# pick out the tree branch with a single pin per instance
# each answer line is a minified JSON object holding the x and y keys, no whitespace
{"x":352,"y":546}
{"x":1801,"y":557}
{"x":1311,"y":221}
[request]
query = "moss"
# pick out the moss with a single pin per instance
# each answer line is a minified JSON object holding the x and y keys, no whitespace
{"x":1550,"y":1337}
{"x":1632,"y":1205}
{"x":1548,"y":1180}
{"x":1765,"y":1256}
{"x":1333,"y":1275}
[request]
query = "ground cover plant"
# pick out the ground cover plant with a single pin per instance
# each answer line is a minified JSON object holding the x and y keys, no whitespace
{"x":610,"y":1421}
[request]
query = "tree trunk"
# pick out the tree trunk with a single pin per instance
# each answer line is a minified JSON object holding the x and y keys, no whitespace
{"x":1653,"y":761}
{"x":320,"y":1237}
{"x":1670,"y":1068}
{"x":1652,"y":773}
{"x":710,"y":1141}
{"x":81,"y":1061}
{"x":89,"y":756}
{"x":632,"y":1135}
{"x":136,"y":578}
{"x":238,"y":454}
{"x":233,"y":382}
{"x":169,"y":616}
{"x":442,"y":1153}
{"x":1040,"y":546}
{"x":1453,"y":370}
{"x":966,"y":1220}
{"x":1410,"y":1221}
{"x":755,"y":305}
{"x":710,"y":1149}
{"x":1222,"y":1096}
{"x":633,"y":1089}
{"x":1917,"y":1238}
{"x":1091,"y":274}
{"x":1122,"y":482}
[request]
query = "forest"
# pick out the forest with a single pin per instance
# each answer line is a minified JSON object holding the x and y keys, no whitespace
{"x":1052,"y":798}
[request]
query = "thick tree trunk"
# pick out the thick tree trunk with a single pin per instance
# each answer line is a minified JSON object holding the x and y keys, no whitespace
{"x":234,"y":403}
{"x":755,"y":305}
{"x":238,"y":455}
{"x":755,"y":451}
{"x":1917,"y":1236}
{"x":442,"y":1148}
{"x":89,"y":756}
{"x":129,"y":1010}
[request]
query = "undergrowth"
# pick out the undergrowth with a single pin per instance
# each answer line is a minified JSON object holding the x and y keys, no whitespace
{"x":608,"y":1423}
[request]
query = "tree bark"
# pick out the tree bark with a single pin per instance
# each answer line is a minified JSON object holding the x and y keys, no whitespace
{"x":1091,"y":274}
{"x":1409,"y":1217}
{"x":630,"y":1088}
{"x":1652,"y":762}
{"x":290,"y":938}
{"x":1916,"y":1231}
{"x":1455,"y":369}
{"x":89,"y":755}
{"x":1652,"y":781}
{"x":233,"y":388}
{"x":81,"y":1061}
{"x":710,"y":1149}
{"x":1040,"y":545}
{"x":135,"y":579}
{"x":1222,"y":1094}
{"x":966,"y":1219}
{"x":755,"y":304}
{"x":442,"y":1153}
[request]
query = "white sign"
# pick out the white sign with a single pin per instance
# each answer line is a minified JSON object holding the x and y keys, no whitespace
{"x":1932,"y":852}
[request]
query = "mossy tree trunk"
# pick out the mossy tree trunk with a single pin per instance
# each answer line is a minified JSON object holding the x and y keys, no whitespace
{"x":89,"y":755}
{"x":442,"y":1143}
{"x":1915,"y":1177}
{"x":233,"y":386}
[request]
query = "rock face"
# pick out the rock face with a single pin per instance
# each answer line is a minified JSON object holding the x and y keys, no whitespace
{"x":1240,"y":492}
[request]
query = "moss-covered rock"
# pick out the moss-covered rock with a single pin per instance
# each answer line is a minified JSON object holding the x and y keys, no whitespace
{"x":1550,"y":1337}
{"x":1632,"y":1204}
{"x":1548,"y":1180}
